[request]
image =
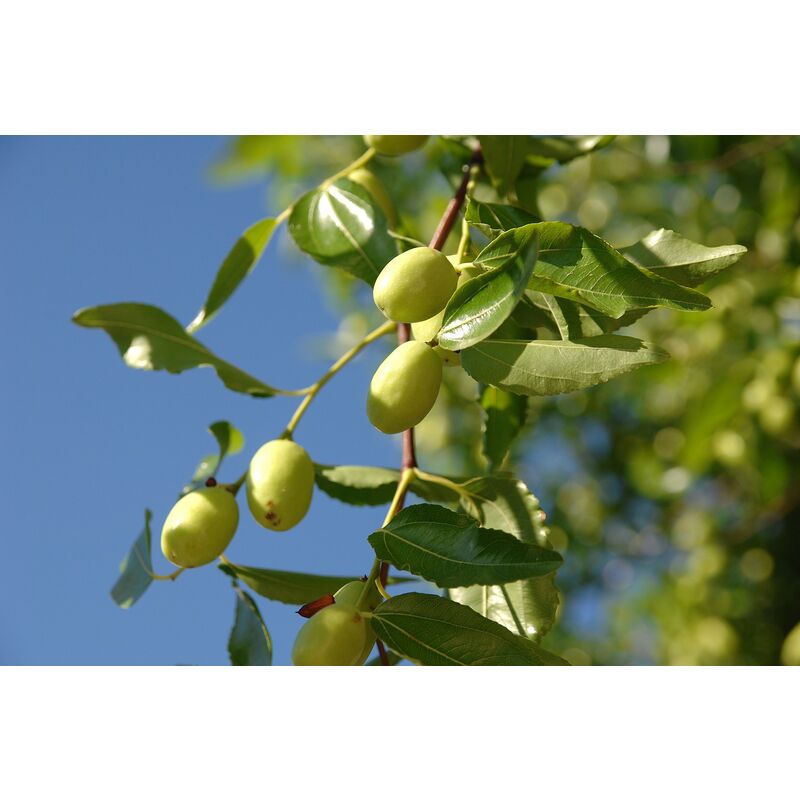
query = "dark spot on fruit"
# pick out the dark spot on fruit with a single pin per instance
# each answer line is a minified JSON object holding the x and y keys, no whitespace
{"x":212,"y":481}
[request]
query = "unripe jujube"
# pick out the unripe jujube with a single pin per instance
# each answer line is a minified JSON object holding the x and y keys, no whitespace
{"x":404,"y":387}
{"x":349,"y":595}
{"x":395,"y":145}
{"x":415,"y":285}
{"x":280,"y":482}
{"x":367,"y":180}
{"x":333,"y":637}
{"x":199,"y":527}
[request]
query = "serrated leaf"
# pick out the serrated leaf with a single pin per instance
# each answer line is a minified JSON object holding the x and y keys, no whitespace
{"x":342,"y":226}
{"x":374,"y":486}
{"x":136,"y":569}
{"x":238,"y":264}
{"x":230,"y":440}
{"x":575,"y":264}
{"x":450,"y":549}
{"x":669,"y":254}
{"x":506,"y":503}
{"x":492,"y":219}
{"x":551,"y":367}
{"x":293,"y":588}
{"x":503,"y":419}
{"x":482,"y":304}
{"x":149,"y":338}
{"x":435,"y":631}
{"x":503,"y":157}
{"x":249,"y":644}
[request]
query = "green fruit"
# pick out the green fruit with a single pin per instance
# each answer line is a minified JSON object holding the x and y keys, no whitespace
{"x":404,"y":387}
{"x":395,"y":145}
{"x":426,"y":330}
{"x":348,"y":596}
{"x":333,"y":637}
{"x":199,"y":527}
{"x":367,"y":180}
{"x":415,"y":285}
{"x":280,"y":482}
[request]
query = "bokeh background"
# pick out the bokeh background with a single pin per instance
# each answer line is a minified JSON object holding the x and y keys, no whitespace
{"x":674,"y":492}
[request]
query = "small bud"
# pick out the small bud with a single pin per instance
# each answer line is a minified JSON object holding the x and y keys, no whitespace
{"x":309,"y":609}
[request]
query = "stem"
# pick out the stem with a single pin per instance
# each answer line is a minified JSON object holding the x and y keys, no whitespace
{"x":382,"y":653}
{"x":454,"y":206}
{"x":154,"y":575}
{"x":361,"y":161}
{"x":514,"y":616}
{"x":237,"y":484}
{"x":314,"y":389}
{"x":464,"y":242}
{"x":442,"y":481}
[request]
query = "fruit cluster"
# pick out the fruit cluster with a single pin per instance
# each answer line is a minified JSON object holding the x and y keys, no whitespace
{"x":413,"y":288}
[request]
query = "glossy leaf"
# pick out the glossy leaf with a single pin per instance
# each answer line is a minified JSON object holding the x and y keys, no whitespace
{"x":492,"y":219}
{"x":149,"y":338}
{"x":481,"y":305}
{"x":230,"y":440}
{"x":136,"y":568}
{"x":293,"y":588}
{"x":504,"y":157}
{"x":575,"y":264}
{"x":238,"y":264}
{"x":503,"y":418}
{"x":450,"y":549}
{"x":671,"y":255}
{"x":550,"y":367}
{"x":435,"y":631}
{"x":530,"y":605}
{"x":342,"y":226}
{"x":249,"y":644}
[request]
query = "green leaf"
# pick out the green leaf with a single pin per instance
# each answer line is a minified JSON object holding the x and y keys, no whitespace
{"x":575,"y":264}
{"x":342,"y":226}
{"x":550,"y":367}
{"x":293,"y":588}
{"x":238,"y":264}
{"x":149,"y":338}
{"x":136,"y":569}
{"x":435,"y":631}
{"x":249,"y":644}
{"x":565,"y":148}
{"x":481,"y":305}
{"x":668,"y":254}
{"x":230,"y":441}
{"x":356,"y":485}
{"x":374,"y":486}
{"x":504,"y":418}
{"x":505,"y":503}
{"x":492,"y":219}
{"x":503,"y":157}
{"x":450,"y":549}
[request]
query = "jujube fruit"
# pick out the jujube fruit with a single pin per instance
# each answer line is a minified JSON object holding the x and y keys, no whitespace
{"x":199,"y":527}
{"x":333,"y":637}
{"x":280,"y":482}
{"x":395,"y":145}
{"x":349,"y":595}
{"x":367,"y":180}
{"x":415,"y":285}
{"x":404,"y":387}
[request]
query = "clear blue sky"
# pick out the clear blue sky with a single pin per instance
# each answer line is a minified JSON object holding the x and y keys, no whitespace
{"x":88,"y":443}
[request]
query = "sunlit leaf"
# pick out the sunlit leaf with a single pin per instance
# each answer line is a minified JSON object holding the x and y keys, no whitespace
{"x":230,"y":441}
{"x":492,"y":219}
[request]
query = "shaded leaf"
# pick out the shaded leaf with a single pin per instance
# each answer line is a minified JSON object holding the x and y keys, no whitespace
{"x":342,"y":226}
{"x":550,"y":367}
{"x":238,"y":264}
{"x":136,"y":568}
{"x":575,"y":264}
{"x":481,"y":305}
{"x":492,"y":219}
{"x":435,"y":631}
{"x":450,"y":549}
{"x":565,"y":148}
{"x":230,"y":441}
{"x":681,"y":260}
{"x":503,"y":418}
{"x":149,"y":338}
{"x":503,"y":157}
{"x":249,"y":644}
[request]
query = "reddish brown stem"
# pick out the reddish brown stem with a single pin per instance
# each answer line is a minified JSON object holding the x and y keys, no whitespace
{"x":443,"y":229}
{"x":382,"y":653}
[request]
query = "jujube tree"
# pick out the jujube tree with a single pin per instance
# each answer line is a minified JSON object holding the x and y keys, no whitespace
{"x":524,"y":307}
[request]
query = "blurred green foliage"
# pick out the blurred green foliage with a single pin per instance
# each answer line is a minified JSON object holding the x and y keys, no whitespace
{"x":674,"y":492}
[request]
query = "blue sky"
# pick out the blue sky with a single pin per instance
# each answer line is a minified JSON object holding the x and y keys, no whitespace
{"x":88,"y":443}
